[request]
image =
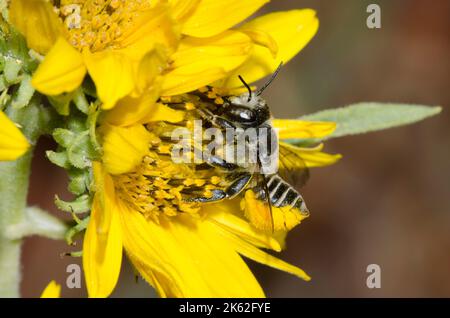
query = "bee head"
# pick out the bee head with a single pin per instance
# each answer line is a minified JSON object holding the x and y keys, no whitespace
{"x":248,"y":99}
{"x":247,"y":110}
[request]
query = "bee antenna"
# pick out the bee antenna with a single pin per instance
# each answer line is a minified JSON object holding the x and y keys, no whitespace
{"x":270,"y":80}
{"x":248,"y":87}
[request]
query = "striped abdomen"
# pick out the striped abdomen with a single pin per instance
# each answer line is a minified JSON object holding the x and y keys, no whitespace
{"x":283,"y":194}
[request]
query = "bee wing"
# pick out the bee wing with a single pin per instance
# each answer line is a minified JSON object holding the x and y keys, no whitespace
{"x":291,"y":166}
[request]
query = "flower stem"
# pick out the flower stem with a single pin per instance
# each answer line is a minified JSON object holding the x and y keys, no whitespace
{"x":34,"y":121}
{"x":13,"y":196}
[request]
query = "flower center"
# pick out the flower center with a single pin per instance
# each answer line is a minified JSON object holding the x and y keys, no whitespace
{"x":97,"y":24}
{"x":158,"y":186}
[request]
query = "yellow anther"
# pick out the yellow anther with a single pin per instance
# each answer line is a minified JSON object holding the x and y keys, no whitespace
{"x":160,"y":187}
{"x":207,"y":194}
{"x":166,"y":149}
{"x":215,"y":180}
{"x":189,"y":106}
{"x":107,"y":19}
{"x":219,"y":100}
{"x":114,"y":4}
{"x":212,"y":94}
{"x":189,"y":182}
{"x":199,"y":182}
{"x":166,"y":99}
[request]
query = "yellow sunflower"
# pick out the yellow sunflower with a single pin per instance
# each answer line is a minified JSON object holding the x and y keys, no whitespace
{"x":183,"y":249}
{"x":135,"y":52}
{"x":124,"y":45}
{"x":13,"y":143}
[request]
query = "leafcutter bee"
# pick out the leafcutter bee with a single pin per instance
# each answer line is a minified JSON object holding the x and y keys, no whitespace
{"x":257,"y":180}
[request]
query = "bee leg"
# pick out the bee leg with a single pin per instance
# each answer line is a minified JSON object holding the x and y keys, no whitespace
{"x":217,"y":195}
{"x":218,"y":162}
{"x":238,"y":185}
{"x":230,"y":192}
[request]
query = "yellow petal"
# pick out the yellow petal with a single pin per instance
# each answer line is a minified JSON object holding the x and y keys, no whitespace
{"x":147,"y":79}
{"x":133,"y":108}
{"x":161,"y":112}
{"x":150,"y":27}
{"x":13,"y":143}
{"x":254,"y":253}
{"x":313,"y":157}
{"x":181,"y":9}
{"x":61,"y":71}
{"x":37,"y":21}
{"x":291,"y":30}
{"x":130,"y":110}
{"x":124,"y":147}
{"x":189,"y":78}
{"x":113,"y":74}
{"x":185,"y":257}
{"x":196,"y":59}
{"x":222,"y":214}
{"x":212,"y":17}
{"x":144,"y":109}
{"x":292,"y":129}
{"x":263,"y":38}
{"x":227,"y":50}
{"x":53,"y":290}
{"x":102,"y":244}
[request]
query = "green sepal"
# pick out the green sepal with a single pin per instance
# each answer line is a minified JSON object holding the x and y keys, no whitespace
{"x":61,"y":103}
{"x":81,"y":204}
{"x":74,"y":230}
{"x":79,"y":181}
{"x":80,"y":101}
{"x":58,"y":158}
{"x":24,"y":94}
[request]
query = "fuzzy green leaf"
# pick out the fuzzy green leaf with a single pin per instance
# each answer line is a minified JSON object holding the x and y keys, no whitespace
{"x":37,"y":222}
{"x":367,"y":117}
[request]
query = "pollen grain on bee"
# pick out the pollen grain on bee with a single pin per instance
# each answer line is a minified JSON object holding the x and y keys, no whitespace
{"x":248,"y":148}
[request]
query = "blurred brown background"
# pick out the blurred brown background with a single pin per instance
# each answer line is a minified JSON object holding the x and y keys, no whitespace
{"x":387,"y":202}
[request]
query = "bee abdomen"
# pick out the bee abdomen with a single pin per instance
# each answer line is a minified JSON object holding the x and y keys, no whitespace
{"x":282,"y":194}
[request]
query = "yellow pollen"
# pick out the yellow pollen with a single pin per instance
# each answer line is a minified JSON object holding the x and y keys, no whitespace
{"x":212,"y":94}
{"x":98,"y":24}
{"x":219,"y":100}
{"x":215,"y":180}
{"x":160,"y":187}
{"x":189,"y":106}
